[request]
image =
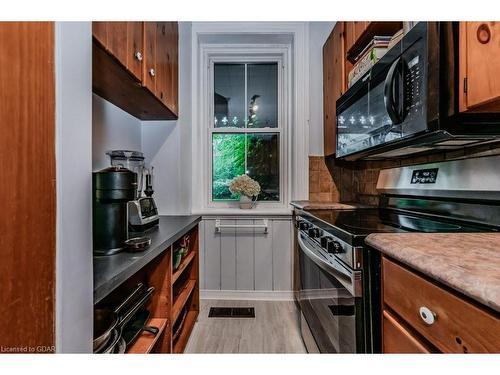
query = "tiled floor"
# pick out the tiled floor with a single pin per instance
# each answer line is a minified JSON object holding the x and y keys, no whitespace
{"x":275,"y":329}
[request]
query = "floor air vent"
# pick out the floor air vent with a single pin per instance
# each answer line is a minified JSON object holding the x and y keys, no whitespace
{"x":231,"y":312}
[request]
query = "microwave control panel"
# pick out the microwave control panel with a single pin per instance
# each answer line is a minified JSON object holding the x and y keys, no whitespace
{"x":413,"y":87}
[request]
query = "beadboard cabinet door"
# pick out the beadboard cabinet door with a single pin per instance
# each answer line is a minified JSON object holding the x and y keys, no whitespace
{"x":245,"y":258}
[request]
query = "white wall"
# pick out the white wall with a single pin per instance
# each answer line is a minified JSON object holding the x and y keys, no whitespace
{"x":74,"y":291}
{"x":167,"y":144}
{"x":112,"y":129}
{"x":318,"y":33}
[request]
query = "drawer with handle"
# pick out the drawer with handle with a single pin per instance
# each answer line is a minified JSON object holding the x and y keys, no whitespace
{"x":448,"y":321}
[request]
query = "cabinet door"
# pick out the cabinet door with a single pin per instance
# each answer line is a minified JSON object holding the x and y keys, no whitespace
{"x":167,"y":64}
{"x":349,"y":34}
{"x":135,"y":49}
{"x":117,"y":40}
{"x":100,"y":32}
{"x":333,"y":84}
{"x":396,"y":339}
{"x":480,"y":66}
{"x":150,"y":56}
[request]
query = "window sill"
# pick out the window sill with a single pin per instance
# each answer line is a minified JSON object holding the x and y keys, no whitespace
{"x":240,"y":212}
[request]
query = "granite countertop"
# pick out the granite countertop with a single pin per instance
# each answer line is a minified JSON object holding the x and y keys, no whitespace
{"x":466,"y":262}
{"x":111,"y":271}
{"x":309,"y":205}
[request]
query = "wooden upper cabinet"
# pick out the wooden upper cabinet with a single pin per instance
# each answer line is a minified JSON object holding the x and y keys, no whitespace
{"x":480,"y":66}
{"x":124,"y":41}
{"x":167,"y":64}
{"x":150,"y":56}
{"x":136,"y":67}
{"x":333,"y":84}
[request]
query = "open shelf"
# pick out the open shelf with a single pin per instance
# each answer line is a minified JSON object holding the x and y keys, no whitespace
{"x":184,"y":264}
{"x":374,"y":28}
{"x":182,"y":340}
{"x":146,"y":340}
{"x":182,"y":299}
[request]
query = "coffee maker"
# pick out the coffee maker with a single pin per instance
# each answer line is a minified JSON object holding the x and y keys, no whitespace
{"x":112,"y":188}
{"x":142,"y":210}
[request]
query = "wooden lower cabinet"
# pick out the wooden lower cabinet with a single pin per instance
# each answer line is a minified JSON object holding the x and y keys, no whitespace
{"x":397,"y":339}
{"x":445,"y":319}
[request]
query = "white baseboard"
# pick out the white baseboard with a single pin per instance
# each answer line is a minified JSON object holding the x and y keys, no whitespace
{"x":251,"y":295}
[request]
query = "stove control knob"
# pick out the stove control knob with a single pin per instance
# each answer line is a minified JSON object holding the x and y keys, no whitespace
{"x":304,"y":225}
{"x":314,"y":232}
{"x":334,"y":247}
{"x":325,"y":240}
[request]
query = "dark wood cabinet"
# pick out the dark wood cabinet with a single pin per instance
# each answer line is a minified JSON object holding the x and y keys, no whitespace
{"x":333,"y":84}
{"x":479,"y":66}
{"x":135,"y":67}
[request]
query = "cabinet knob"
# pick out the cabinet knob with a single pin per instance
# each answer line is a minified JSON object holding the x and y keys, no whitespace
{"x":427,"y":315}
{"x":152,"y":72}
{"x":138,"y":56}
{"x":483,"y":33}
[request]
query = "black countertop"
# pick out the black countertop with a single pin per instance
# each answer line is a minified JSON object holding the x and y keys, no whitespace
{"x":111,"y":271}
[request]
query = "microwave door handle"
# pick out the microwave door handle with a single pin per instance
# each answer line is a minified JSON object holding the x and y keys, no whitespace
{"x":390,"y":106}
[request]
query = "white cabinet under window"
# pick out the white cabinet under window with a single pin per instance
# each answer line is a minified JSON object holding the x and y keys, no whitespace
{"x":243,"y":256}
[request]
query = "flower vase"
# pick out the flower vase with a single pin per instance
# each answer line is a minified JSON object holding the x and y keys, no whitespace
{"x":246,"y":202}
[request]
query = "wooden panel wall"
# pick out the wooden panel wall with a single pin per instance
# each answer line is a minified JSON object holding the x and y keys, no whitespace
{"x":246,"y":259}
{"x":27,"y":186}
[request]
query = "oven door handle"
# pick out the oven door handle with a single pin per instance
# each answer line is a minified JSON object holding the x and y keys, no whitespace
{"x":351,"y":280}
{"x":390,"y":106}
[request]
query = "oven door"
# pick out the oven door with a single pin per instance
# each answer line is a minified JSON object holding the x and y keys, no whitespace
{"x":330,"y":300}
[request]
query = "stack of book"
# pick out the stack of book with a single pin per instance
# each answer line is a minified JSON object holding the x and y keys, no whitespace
{"x":368,"y":57}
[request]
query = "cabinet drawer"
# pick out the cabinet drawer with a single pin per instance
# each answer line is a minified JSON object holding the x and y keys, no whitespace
{"x":456,"y":325}
{"x":397,"y":339}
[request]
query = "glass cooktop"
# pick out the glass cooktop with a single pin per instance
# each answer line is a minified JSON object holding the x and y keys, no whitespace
{"x":362,"y":222}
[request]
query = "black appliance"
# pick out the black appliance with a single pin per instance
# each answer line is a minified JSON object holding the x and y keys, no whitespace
{"x":339,"y":275}
{"x":112,"y":188}
{"x":407,"y":104}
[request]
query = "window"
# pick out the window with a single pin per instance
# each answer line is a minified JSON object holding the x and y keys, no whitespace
{"x":246,"y":133}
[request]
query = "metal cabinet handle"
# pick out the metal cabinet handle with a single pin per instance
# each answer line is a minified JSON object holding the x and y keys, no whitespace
{"x":152,"y":72}
{"x":138,"y":56}
{"x":427,"y":315}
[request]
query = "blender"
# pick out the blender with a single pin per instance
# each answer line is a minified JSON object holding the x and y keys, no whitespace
{"x":142,"y":210}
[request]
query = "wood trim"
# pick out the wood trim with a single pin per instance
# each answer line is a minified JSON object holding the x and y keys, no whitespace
{"x":462,"y":66}
{"x":182,"y":299}
{"x":28,"y":186}
{"x":146,"y":340}
{"x":182,"y":267}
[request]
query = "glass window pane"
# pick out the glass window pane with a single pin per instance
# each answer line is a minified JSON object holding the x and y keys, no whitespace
{"x":228,"y":161}
{"x":229,"y":95}
{"x":263,"y":164}
{"x":255,"y":154}
{"x":262,"y":95}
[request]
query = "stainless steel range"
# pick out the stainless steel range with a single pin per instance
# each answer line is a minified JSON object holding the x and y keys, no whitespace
{"x":339,"y":275}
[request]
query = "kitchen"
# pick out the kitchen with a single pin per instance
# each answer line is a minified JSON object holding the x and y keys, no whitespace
{"x":251,"y":187}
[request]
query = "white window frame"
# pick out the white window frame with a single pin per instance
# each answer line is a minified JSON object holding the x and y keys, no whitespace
{"x":280,"y":129}
{"x":246,"y":54}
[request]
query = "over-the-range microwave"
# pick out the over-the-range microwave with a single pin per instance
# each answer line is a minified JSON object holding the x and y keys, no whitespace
{"x":407,"y":104}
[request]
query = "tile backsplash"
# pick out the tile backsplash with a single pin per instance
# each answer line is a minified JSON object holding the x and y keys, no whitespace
{"x":333,"y":180}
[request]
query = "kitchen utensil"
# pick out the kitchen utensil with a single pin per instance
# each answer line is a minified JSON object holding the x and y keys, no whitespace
{"x":179,"y":324}
{"x":136,"y":325}
{"x":141,"y":302}
{"x":106,"y":319}
{"x":137,"y":244}
{"x":177,"y":258}
{"x":120,"y":347}
{"x":109,"y":347}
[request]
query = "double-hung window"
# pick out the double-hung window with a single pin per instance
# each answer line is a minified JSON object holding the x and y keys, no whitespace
{"x":246,"y":130}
